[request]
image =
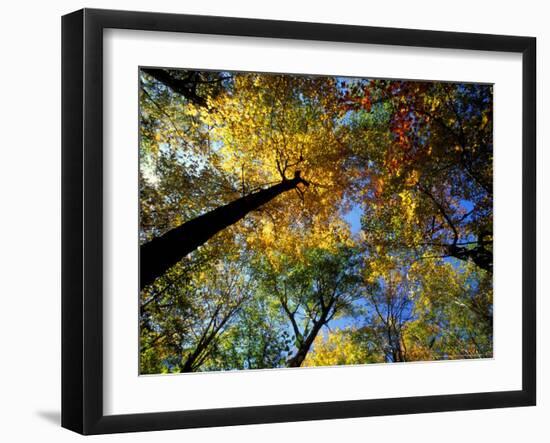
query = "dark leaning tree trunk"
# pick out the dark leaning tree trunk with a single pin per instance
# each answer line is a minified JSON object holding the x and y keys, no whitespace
{"x":480,"y":255}
{"x":187,"y":88}
{"x":161,"y":253}
{"x":297,"y":360}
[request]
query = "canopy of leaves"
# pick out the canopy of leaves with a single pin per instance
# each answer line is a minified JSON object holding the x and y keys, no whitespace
{"x":382,"y":253}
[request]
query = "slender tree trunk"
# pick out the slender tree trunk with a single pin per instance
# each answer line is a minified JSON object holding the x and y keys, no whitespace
{"x":297,"y":360}
{"x":161,"y":253}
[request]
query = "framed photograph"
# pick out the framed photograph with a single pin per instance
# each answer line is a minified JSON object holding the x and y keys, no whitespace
{"x":269,"y":221}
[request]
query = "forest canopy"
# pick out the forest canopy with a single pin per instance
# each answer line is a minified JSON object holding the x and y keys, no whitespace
{"x":295,"y":220}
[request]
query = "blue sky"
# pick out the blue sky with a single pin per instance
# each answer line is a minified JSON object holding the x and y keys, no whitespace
{"x":353,"y":217}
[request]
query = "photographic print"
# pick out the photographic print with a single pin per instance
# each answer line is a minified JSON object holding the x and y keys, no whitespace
{"x":294,"y":220}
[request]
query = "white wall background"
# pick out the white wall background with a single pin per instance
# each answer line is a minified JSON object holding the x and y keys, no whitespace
{"x":30,"y":221}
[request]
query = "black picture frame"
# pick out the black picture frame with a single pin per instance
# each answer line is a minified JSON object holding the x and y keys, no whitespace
{"x":82,"y":219}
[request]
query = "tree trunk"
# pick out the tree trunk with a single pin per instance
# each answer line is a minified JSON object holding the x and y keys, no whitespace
{"x":185,"y":88}
{"x":161,"y":253}
{"x":297,"y":360}
{"x":479,"y":255}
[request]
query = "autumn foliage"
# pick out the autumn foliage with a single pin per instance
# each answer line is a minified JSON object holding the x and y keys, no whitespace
{"x":312,"y":220}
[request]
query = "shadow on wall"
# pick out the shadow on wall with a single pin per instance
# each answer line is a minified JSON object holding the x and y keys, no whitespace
{"x":54,"y":417}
